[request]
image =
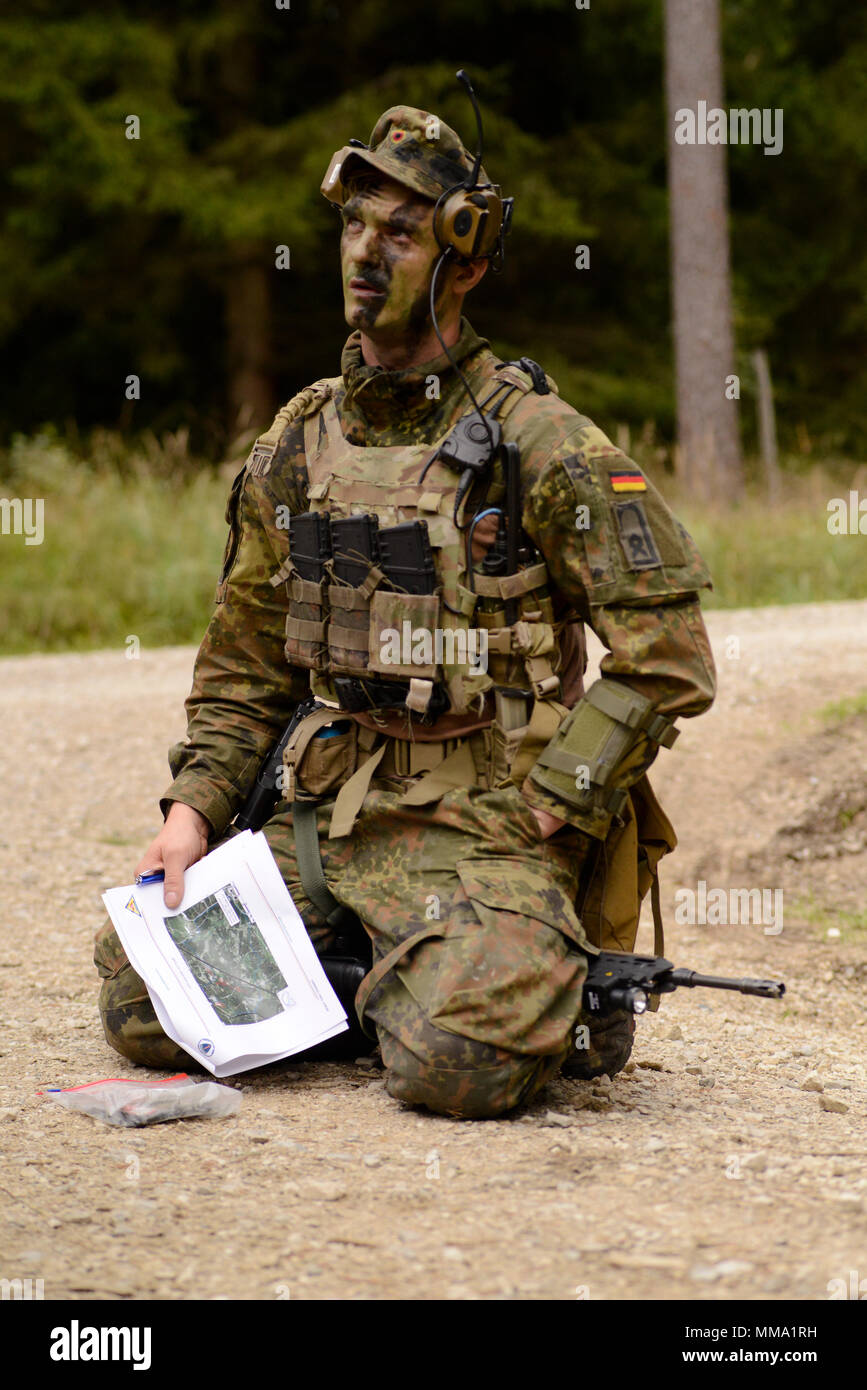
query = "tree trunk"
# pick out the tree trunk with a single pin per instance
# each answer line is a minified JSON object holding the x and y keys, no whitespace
{"x":707,"y":420}
{"x":251,"y":404}
{"x":248,"y":267}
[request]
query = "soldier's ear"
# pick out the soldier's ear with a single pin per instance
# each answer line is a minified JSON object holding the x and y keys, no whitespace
{"x":467,"y":274}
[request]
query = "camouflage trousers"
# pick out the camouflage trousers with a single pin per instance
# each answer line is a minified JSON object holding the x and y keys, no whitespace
{"x":476,"y":984}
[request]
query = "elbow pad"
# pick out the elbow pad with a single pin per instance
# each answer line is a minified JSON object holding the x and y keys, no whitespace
{"x":580,"y":764}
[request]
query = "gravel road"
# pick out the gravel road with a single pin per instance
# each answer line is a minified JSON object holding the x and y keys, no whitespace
{"x":727,"y":1162}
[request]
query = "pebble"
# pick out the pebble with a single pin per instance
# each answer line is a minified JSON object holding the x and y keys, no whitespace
{"x":651,"y":1066}
{"x":372,"y":1161}
{"x":694,"y":1071}
{"x":258,"y":1136}
{"x":674,"y":1034}
{"x":707,"y":1081}
{"x":837,"y":1107}
{"x":709,"y":1273}
{"x":812,"y":1083}
{"x":326,"y":1191}
{"x":7,"y":1113}
{"x":553,"y":1118}
{"x":755,"y":1163}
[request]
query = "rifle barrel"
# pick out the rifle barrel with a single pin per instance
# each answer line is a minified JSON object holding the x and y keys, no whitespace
{"x":691,"y":979}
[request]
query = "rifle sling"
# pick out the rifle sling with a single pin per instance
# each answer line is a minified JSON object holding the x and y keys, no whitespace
{"x":310,"y":869}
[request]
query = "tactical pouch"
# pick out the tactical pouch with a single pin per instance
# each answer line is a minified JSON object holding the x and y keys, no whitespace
{"x":349,"y":625}
{"x":526,"y":651}
{"x":319,"y":756}
{"x":306,"y":624}
{"x":403,"y":625}
{"x":616,"y":881}
{"x":504,"y":666}
{"x":593,"y":745}
{"x":329,"y":759}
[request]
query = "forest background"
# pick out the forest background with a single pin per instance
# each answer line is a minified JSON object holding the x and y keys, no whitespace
{"x":157,"y":258}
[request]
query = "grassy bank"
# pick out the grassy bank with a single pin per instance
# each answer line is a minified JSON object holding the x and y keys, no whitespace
{"x":133,"y":542}
{"x":125,"y":553}
{"x":759,"y":554}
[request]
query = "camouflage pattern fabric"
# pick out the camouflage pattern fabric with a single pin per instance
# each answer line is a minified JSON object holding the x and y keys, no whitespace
{"x":649,"y":616}
{"x":480,"y":1011}
{"x":417,"y":149}
{"x":475,"y":1016}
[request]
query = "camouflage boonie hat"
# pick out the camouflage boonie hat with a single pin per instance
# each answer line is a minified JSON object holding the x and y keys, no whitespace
{"x":415,"y":148}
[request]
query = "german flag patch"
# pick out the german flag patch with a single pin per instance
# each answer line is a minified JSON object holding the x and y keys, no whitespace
{"x":627,"y":480}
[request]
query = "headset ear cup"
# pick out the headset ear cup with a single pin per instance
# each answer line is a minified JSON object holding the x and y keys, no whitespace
{"x":332,"y":185}
{"x":468,"y":222}
{"x":447,"y":210}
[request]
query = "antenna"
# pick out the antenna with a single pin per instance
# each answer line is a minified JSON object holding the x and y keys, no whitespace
{"x":472,"y":179}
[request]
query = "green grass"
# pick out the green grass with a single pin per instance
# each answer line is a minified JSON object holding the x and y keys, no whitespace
{"x":132,"y":553}
{"x":838,"y":711}
{"x":134,"y":536}
{"x":852,"y":925}
{"x":757,"y":555}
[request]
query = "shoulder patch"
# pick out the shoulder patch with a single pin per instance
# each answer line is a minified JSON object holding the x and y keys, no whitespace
{"x":626,"y":480}
{"x":636,"y":537}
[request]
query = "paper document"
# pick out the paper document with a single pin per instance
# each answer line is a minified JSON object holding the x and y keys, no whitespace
{"x":231,"y":972}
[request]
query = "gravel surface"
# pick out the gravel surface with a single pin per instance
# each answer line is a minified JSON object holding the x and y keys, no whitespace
{"x":726,"y":1162}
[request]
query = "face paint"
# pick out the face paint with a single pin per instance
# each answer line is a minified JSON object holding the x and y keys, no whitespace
{"x":388,"y":252}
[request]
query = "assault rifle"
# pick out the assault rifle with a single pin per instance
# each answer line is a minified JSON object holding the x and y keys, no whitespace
{"x":619,"y":981}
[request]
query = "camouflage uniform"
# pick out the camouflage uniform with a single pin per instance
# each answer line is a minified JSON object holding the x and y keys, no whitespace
{"x":476,"y":985}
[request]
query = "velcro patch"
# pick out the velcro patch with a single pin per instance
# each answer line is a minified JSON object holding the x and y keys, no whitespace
{"x":627,"y":480}
{"x":260,"y":459}
{"x":636,"y":537}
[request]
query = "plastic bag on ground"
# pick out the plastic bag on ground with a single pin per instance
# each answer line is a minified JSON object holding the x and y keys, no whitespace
{"x":135,"y":1103}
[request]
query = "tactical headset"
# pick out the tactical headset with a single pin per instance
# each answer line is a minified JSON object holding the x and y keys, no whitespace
{"x":470,"y":219}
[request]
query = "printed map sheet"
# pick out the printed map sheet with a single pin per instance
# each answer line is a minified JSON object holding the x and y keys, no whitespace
{"x":232,"y":973}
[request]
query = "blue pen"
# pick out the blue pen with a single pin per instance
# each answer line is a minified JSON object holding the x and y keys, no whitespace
{"x":157,"y":876}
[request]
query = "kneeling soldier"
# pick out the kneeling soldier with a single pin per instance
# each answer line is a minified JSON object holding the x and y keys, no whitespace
{"x":417,"y":543}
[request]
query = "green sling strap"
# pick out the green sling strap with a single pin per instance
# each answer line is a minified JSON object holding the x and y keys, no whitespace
{"x":310,"y":868}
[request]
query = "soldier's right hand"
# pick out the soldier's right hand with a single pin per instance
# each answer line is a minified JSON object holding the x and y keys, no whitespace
{"x":182,"y":841}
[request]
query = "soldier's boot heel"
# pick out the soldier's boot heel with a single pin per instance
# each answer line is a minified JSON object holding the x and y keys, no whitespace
{"x":609,"y":1045}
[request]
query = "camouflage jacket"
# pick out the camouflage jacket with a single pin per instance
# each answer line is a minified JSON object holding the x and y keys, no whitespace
{"x":631,"y":572}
